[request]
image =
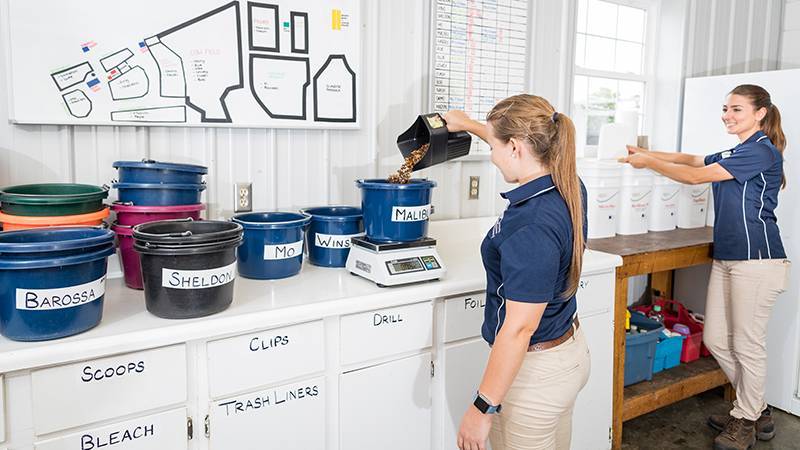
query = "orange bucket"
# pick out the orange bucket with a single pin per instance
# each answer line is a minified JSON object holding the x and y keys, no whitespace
{"x":25,"y":222}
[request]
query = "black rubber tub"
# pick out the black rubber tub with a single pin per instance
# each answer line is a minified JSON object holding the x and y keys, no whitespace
{"x":188,"y":267}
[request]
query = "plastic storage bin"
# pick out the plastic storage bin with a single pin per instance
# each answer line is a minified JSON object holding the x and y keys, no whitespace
{"x":693,"y":205}
{"x":52,"y":199}
{"x":155,"y":194}
{"x":635,"y":196}
{"x":663,"y":215}
{"x":602,"y":181}
{"x":674,"y":313}
{"x":149,"y":171}
{"x":134,"y":215}
{"x":668,"y":352}
{"x":11,"y":222}
{"x":396,"y":212}
{"x":329,"y":233}
{"x":273,"y":244}
{"x":640,"y":349}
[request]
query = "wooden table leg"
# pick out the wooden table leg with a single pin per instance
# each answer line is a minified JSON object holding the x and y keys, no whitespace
{"x":620,"y":306}
{"x":730,"y":393}
{"x":662,"y":281}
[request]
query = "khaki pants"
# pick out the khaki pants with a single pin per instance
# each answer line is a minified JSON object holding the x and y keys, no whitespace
{"x":537,"y":411}
{"x":740,"y":299}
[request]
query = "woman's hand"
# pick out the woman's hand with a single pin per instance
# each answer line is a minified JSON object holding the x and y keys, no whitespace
{"x":474,"y":430}
{"x":632,"y":149}
{"x":637,"y":160}
{"x":457,"y":121}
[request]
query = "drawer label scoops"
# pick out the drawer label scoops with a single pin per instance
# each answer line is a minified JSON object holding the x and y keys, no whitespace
{"x":198,"y":279}
{"x":60,"y":298}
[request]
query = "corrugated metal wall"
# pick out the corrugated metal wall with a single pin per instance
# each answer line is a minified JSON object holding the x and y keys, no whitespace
{"x":790,"y":39}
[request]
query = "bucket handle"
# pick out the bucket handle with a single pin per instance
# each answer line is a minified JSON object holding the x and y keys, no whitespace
{"x":122,"y":203}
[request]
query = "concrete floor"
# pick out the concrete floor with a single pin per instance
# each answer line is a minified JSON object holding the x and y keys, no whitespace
{"x":683,"y":426}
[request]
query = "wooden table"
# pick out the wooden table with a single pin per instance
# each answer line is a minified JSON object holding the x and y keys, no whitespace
{"x":657,"y":254}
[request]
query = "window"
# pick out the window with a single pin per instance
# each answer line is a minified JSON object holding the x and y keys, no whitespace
{"x":611,"y":66}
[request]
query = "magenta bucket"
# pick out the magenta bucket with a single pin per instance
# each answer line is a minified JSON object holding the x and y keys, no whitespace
{"x":131,"y":267}
{"x":132,"y":215}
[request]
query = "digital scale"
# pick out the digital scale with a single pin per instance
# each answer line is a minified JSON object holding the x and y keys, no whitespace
{"x":393,"y":263}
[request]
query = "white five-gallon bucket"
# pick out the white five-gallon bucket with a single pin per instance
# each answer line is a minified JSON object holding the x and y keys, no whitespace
{"x":664,"y":204}
{"x":636,"y":193}
{"x":602,"y":181}
{"x":693,"y":205}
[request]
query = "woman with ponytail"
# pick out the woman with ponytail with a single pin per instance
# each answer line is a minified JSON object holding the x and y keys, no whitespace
{"x":750,"y":268}
{"x":539,"y":359}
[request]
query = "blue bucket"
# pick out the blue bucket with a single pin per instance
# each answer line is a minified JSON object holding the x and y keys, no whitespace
{"x":328,"y":235}
{"x":396,"y":212}
{"x":149,"y":171}
{"x":52,"y":281}
{"x":155,"y":194}
{"x":273,"y":244}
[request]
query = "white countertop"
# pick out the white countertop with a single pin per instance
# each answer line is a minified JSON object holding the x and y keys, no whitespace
{"x":315,"y":293}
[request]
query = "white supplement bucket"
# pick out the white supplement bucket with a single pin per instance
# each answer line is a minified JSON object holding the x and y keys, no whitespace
{"x":664,"y":204}
{"x":693,"y":205}
{"x":602,"y":181}
{"x":636,"y":193}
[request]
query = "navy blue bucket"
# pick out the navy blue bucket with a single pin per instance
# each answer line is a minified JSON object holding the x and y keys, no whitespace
{"x":154,"y":194}
{"x":273,"y":244}
{"x":52,"y":281}
{"x":149,"y":171}
{"x":328,"y":235}
{"x":396,"y":212}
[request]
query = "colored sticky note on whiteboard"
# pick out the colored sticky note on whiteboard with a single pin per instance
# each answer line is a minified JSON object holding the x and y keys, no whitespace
{"x":336,"y":19}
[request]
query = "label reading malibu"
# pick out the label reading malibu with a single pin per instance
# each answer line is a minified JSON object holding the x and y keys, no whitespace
{"x":334,"y":241}
{"x":198,"y":279}
{"x":410,"y":213}
{"x":283,"y":251}
{"x":59,"y":298}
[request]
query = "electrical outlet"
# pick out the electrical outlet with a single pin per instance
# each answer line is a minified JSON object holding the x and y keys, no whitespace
{"x":474,"y":187}
{"x":243,"y":197}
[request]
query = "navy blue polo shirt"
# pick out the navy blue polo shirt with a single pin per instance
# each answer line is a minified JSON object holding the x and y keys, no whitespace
{"x":745,"y":226}
{"x":527,"y":255}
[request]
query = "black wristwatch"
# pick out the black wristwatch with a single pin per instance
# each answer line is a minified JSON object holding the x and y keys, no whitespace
{"x":484,"y":406}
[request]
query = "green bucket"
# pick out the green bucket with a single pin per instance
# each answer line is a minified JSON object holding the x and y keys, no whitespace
{"x":52,"y":199}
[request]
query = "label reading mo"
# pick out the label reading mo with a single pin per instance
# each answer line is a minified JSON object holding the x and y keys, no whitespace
{"x":410,"y":213}
{"x":198,"y":279}
{"x":283,"y":251}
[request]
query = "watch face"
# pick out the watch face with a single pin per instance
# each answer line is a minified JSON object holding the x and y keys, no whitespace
{"x":481,"y":404}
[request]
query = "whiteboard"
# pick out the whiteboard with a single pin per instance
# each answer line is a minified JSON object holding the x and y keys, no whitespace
{"x":703,"y":133}
{"x":276,"y":63}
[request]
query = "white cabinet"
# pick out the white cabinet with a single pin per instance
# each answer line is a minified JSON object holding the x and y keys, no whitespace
{"x":164,"y":431}
{"x":89,"y":391}
{"x":290,"y":417}
{"x":387,"y":407}
{"x":464,"y":364}
{"x":386,"y":332}
{"x":252,"y":360}
{"x":463,"y":316}
{"x":591,"y":419}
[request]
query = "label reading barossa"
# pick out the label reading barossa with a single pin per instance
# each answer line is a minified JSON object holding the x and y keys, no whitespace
{"x":197,"y":279}
{"x":59,"y":298}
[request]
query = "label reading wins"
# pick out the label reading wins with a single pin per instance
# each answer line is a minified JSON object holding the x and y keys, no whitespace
{"x":334,"y":241}
{"x":198,"y":279}
{"x":59,"y":298}
{"x":283,"y":251}
{"x":410,"y":213}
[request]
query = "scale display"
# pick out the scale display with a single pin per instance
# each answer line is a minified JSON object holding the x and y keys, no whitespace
{"x":406,"y":265}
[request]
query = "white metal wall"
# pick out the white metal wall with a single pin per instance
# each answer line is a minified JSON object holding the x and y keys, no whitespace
{"x":790,"y":39}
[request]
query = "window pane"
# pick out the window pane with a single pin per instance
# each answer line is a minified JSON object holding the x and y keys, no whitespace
{"x":579,"y":96}
{"x":631,"y":24}
{"x":631,"y":95}
{"x":602,"y":18}
{"x":581,"y":25}
{"x":580,"y":50}
{"x":628,"y":58}
{"x":593,"y":125}
{"x":599,"y":53}
{"x":602,"y":95}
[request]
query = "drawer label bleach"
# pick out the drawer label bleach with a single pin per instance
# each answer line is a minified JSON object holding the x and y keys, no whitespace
{"x":59,"y":298}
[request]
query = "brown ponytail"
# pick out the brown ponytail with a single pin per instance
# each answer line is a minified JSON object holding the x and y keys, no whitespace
{"x":771,"y":123}
{"x":551,"y":136}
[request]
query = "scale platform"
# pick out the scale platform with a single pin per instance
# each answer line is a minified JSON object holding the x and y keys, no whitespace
{"x":394,"y":263}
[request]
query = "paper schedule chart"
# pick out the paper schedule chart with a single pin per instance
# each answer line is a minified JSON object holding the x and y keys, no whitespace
{"x":479,"y":55}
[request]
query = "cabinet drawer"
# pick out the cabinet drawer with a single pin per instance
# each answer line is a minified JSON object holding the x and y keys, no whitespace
{"x":85,"y":392}
{"x":251,"y":360}
{"x":463,"y":316}
{"x":285,"y":417}
{"x":595,"y":294}
{"x":163,"y":431}
{"x":385,"y":332}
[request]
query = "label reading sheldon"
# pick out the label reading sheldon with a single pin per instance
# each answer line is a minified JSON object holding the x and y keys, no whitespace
{"x":334,"y":241}
{"x":59,"y":298}
{"x":283,"y":251}
{"x":197,"y":279}
{"x":410,"y":213}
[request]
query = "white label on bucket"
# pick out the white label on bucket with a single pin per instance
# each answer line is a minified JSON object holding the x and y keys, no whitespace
{"x":59,"y":298}
{"x":410,"y":213}
{"x":198,"y":279}
{"x":334,"y":241}
{"x":283,"y":251}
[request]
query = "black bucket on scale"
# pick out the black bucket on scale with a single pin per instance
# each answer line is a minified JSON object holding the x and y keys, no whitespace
{"x":444,"y":145}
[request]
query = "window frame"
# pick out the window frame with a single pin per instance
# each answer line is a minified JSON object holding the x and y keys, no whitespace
{"x":648,"y":76}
